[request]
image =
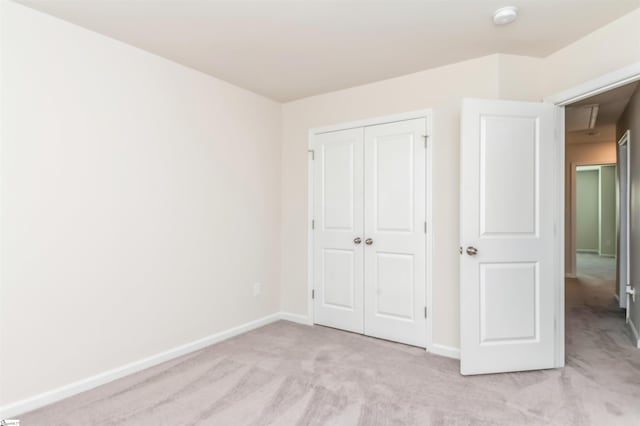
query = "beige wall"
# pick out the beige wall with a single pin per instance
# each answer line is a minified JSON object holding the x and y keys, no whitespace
{"x":605,"y":50}
{"x":587,"y":210}
{"x":631,"y":120}
{"x":140,"y":202}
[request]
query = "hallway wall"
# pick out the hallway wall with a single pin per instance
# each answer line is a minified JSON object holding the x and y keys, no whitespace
{"x":587,"y":206}
{"x":631,"y":120}
{"x":608,"y":211}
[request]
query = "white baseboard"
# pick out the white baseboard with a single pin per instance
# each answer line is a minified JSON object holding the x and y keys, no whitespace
{"x":635,"y":333}
{"x":297,"y":318}
{"x":443,"y":350}
{"x":25,"y":405}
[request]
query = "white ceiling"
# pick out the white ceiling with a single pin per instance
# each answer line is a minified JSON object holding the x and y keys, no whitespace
{"x":611,"y":106}
{"x":612,"y":103}
{"x":292,"y":49}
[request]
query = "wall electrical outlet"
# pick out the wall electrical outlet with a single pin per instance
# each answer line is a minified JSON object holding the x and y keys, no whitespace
{"x":257,"y":289}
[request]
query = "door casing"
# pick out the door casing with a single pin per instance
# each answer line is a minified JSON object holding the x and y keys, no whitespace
{"x":601,"y":84}
{"x":428,"y":115}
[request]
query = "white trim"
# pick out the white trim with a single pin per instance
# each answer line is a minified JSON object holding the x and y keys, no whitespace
{"x":373,"y":122}
{"x":587,"y":168}
{"x":443,"y":350}
{"x":600,"y":211}
{"x":624,"y":264}
{"x":635,"y":333}
{"x":310,"y":240}
{"x":593,"y":87}
{"x":297,"y":318}
{"x":423,"y":113}
{"x":28,"y":404}
{"x":559,"y":228}
{"x":601,"y":84}
{"x":430,"y":228}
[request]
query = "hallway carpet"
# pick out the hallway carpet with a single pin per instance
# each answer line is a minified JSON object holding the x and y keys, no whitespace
{"x":590,"y":265}
{"x":290,"y":374}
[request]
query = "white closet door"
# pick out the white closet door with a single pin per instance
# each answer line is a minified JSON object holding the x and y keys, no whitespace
{"x":338,"y":266}
{"x":395,"y":237}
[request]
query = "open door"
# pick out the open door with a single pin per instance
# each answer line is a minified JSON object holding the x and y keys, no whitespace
{"x":507,"y":283}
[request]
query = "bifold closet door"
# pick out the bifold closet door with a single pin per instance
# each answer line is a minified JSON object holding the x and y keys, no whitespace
{"x":395,"y":231}
{"x":338,"y":235}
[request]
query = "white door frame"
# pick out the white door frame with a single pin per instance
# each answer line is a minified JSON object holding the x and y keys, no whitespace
{"x":428,"y":115}
{"x":601,"y":84}
{"x":623,"y":261}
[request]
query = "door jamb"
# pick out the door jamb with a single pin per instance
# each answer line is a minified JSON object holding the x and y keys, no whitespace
{"x":625,"y":141}
{"x":598,"y":85}
{"x":424,"y":113}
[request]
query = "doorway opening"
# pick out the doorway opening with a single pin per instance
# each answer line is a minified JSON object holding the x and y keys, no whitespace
{"x":596,"y":221}
{"x":597,"y":194}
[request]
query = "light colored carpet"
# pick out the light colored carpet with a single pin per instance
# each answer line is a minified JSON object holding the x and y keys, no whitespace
{"x":593,"y":266}
{"x":289,"y":374}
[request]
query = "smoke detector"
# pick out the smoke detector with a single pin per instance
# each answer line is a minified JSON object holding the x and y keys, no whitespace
{"x":505,"y":15}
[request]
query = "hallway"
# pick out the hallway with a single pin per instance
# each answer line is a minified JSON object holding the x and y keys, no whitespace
{"x":593,"y":266}
{"x":598,"y":344}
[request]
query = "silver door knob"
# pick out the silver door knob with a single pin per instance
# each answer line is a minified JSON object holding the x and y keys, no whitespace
{"x":472,"y":251}
{"x":368,"y":241}
{"x":357,"y":240}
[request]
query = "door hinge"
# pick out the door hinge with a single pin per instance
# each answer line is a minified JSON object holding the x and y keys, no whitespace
{"x":313,"y":224}
{"x":425,"y":226}
{"x":313,"y":154}
{"x":313,"y":294}
{"x":425,"y":311}
{"x":631,"y":292}
{"x":426,"y":140}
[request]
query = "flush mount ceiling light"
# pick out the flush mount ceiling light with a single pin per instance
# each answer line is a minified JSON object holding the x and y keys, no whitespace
{"x":505,"y":15}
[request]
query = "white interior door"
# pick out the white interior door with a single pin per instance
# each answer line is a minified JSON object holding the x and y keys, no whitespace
{"x":507,"y":293}
{"x":338,"y":266}
{"x":395,"y":229}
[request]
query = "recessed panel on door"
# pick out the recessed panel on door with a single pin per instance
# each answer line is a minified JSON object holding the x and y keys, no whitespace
{"x":395,"y":282}
{"x":507,"y":294}
{"x":509,"y":305}
{"x":395,"y":214}
{"x":338,"y":221}
{"x":508,"y":175}
{"x":338,"y":278}
{"x":393,"y":188}
{"x":338,"y":164}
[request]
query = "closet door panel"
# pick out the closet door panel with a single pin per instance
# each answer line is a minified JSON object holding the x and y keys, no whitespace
{"x":338,"y":214}
{"x":395,"y":239}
